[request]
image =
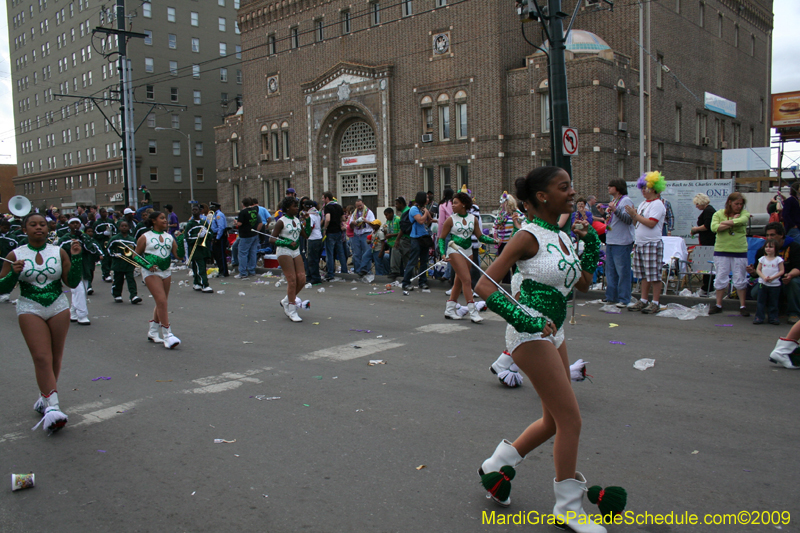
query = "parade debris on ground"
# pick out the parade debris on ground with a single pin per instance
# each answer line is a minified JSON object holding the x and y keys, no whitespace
{"x":644,"y":364}
{"x":681,"y":312}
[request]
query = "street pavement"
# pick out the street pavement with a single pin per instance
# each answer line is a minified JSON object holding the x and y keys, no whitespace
{"x":350,"y":447}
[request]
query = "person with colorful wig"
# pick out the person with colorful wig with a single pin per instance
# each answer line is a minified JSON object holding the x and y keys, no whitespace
{"x":648,"y":251}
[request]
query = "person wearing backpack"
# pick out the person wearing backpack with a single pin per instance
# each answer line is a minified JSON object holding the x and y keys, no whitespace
{"x":402,"y":245}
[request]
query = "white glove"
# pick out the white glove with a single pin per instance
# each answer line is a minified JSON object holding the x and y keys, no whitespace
{"x":107,"y":233}
{"x":202,"y":233}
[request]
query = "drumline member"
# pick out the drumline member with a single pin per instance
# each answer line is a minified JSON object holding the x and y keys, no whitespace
{"x":196,"y":230}
{"x":119,"y":245}
{"x":41,"y":268}
{"x":287,"y":233}
{"x":461,"y":226}
{"x":550,"y":269}
{"x":153,"y":250}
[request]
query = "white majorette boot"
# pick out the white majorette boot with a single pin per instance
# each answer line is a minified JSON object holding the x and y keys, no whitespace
{"x":504,"y":455}
{"x":154,"y":335}
{"x":780,"y":354}
{"x":40,"y":405}
{"x":450,"y":310}
{"x":53,"y":418}
{"x":302,"y":304}
{"x":503,"y":363}
{"x":170,"y":340}
{"x":474,"y":315}
{"x":569,"y":506}
{"x":291,"y":312}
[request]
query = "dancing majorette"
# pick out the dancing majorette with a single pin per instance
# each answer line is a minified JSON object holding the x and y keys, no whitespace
{"x":286,"y":235}
{"x":153,"y":251}
{"x":550,"y":269}
{"x":43,"y":308}
{"x":461,"y":226}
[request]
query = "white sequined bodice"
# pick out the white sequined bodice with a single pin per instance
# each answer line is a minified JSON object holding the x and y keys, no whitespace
{"x":463,"y":227}
{"x":551,"y":266}
{"x":291,"y":229}
{"x":154,"y":245}
{"x":40,"y":275}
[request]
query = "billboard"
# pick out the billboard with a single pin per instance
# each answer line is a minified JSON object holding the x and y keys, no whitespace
{"x":719,"y":105}
{"x":680,"y":194}
{"x":786,"y":109}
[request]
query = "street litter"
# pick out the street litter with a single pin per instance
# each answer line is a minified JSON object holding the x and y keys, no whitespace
{"x":724,"y":325}
{"x":681,"y":312}
{"x":223,"y":441}
{"x":220,"y":292}
{"x":241,"y":294}
{"x":354,"y":289}
{"x":612,"y":325}
{"x":321,"y":289}
{"x":612,"y":309}
{"x":376,"y":293}
{"x":369,"y":278}
{"x":101,"y":377}
{"x":361,"y":330}
{"x":307,"y":286}
{"x":617,"y":342}
{"x":695,"y":452}
{"x":23,"y":481}
{"x":359,"y":410}
{"x":373,"y":362}
{"x":426,"y":290}
{"x":247,"y":342}
{"x":644,"y":364}
{"x":599,"y":302}
{"x":315,"y":323}
{"x":265,"y":398}
{"x":420,"y":467}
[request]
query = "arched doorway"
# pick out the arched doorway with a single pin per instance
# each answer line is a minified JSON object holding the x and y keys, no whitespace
{"x":357,"y":171}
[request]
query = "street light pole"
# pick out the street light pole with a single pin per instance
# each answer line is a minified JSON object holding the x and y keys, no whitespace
{"x":189,"y":143}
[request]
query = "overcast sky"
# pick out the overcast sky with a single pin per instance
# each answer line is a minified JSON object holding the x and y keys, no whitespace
{"x":785,"y":70}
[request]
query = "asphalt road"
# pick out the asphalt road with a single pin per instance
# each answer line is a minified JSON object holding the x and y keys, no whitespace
{"x":709,"y":429}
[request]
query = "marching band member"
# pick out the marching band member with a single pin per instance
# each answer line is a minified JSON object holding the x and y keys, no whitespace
{"x":104,"y":229}
{"x":153,"y":251}
{"x":119,"y":246}
{"x":41,"y":268}
{"x":78,"y":311}
{"x":287,"y":240}
{"x":195,"y":232}
{"x":7,"y":243}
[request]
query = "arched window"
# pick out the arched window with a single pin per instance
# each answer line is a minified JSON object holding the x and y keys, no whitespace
{"x":274,"y":140}
{"x":358,"y":138}
{"x":443,"y":102}
{"x":285,"y":139}
{"x":461,"y":115}
{"x":427,"y":118}
{"x":264,"y":142}
{"x":235,"y":150}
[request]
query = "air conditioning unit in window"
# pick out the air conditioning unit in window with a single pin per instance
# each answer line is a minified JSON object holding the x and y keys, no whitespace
{"x":263,"y":157}
{"x":427,"y":137}
{"x":705,"y":141}
{"x":622,"y":126}
{"x":590,"y":3}
{"x":724,"y":145}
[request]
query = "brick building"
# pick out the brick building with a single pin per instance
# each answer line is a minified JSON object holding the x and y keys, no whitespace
{"x":381,"y":99}
{"x":68,"y":152}
{"x":7,"y":173}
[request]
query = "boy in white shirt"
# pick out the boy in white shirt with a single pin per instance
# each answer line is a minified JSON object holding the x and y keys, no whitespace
{"x":648,"y":220}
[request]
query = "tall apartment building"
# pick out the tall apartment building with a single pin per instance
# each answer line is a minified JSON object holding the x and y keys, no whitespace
{"x":382,"y":98}
{"x":68,"y":152}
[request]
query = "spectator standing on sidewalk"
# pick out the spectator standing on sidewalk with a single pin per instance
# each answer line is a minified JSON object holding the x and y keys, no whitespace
{"x":730,"y":250}
{"x":620,"y":235}
{"x":332,"y":225}
{"x":248,"y":239}
{"x":360,"y":222}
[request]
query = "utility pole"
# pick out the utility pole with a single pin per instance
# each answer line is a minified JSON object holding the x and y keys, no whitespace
{"x":558,"y":84}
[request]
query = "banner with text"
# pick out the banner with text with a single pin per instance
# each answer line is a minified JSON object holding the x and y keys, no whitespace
{"x":680,"y":194}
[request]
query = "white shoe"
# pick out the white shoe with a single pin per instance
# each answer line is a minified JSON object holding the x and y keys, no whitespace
{"x":568,"y":509}
{"x":207,"y":289}
{"x":448,"y":291}
{"x":450,"y":311}
{"x":108,"y":279}
{"x":136,"y":300}
{"x":291,"y":312}
{"x":170,"y":340}
{"x":504,"y":455}
{"x":197,"y":287}
{"x":40,"y":405}
{"x":474,"y":315}
{"x":4,"y":298}
{"x":285,"y":305}
{"x":780,"y":354}
{"x":155,"y":333}
{"x":72,"y":316}
{"x":503,"y":363}
{"x":84,"y":321}
{"x":118,"y":299}
{"x":53,"y":418}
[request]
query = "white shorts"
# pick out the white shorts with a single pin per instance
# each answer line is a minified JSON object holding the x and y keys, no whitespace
{"x":282,"y":250}
{"x":29,"y":307}
{"x":163,"y":274}
{"x":451,"y":251}
{"x":514,"y":338}
{"x":724,"y":265}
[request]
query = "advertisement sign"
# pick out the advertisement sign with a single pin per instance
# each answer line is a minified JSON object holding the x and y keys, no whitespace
{"x":745,"y":159}
{"x":786,"y":109}
{"x":358,"y":160}
{"x":720,"y":105}
{"x":680,"y":193}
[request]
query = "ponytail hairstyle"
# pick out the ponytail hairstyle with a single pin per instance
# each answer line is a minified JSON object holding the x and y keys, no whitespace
{"x":151,"y":219}
{"x":536,"y":181}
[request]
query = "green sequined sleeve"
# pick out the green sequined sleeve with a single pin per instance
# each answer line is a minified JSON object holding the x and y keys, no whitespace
{"x":286,"y":243}
{"x":485,"y":239}
{"x":141,"y":262}
{"x":75,"y":274}
{"x":591,"y":252}
{"x":8,"y":282}
{"x":442,"y":247}
{"x":514,"y":315}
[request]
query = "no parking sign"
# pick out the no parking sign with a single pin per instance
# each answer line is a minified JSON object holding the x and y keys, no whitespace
{"x":569,"y":141}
